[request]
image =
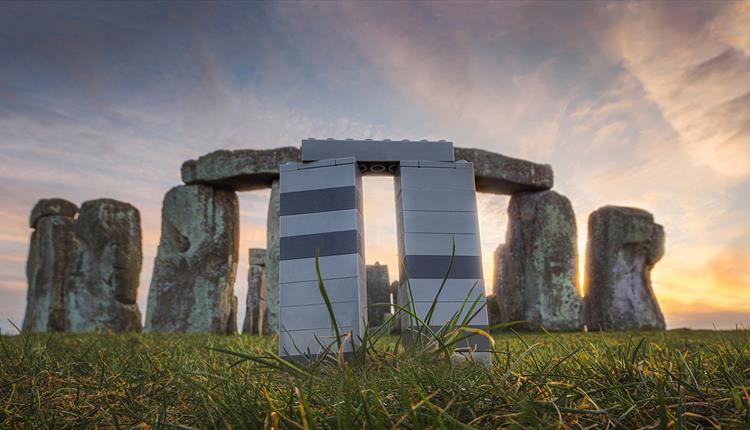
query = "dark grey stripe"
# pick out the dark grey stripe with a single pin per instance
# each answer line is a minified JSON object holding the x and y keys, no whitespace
{"x":323,"y":200}
{"x":468,"y":340}
{"x":322,"y":244}
{"x":435,"y":266}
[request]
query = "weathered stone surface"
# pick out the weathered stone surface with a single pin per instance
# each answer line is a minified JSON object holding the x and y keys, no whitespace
{"x":256,"y":292}
{"x":539,"y":275}
{"x":498,"y":174}
{"x":102,"y":285}
{"x":241,"y":170}
{"x":51,"y":207}
{"x":497,"y":282}
{"x":192,"y":287}
{"x":377,"y":292}
{"x":493,"y":310}
{"x":393,"y":290}
{"x":623,"y":246}
{"x":232,"y":322}
{"x":250,"y":169}
{"x":273,"y":244}
{"x":50,"y":252}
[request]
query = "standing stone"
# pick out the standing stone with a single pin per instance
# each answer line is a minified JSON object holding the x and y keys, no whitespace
{"x":273,"y":244}
{"x":102,"y":285}
{"x":539,"y":274}
{"x":232,"y":322}
{"x":256,"y":292}
{"x":52,"y":207}
{"x":493,"y":310}
{"x":496,"y":305}
{"x":192,"y":287}
{"x":393,"y":291}
{"x":377,"y":293}
{"x":623,"y":246}
{"x":50,"y":252}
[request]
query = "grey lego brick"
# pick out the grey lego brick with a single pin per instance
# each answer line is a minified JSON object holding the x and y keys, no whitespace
{"x":292,"y":343}
{"x":409,"y":163}
{"x":320,"y":244}
{"x":326,"y":163}
{"x":444,"y":311}
{"x":438,"y":200}
{"x":320,"y":222}
{"x":314,"y":179}
{"x":308,"y":293}
{"x":441,"y":244}
{"x":415,"y":178}
{"x":336,"y":266}
{"x":437,"y":164}
{"x":373,"y":150}
{"x":440,"y":222}
{"x":455,"y":290}
{"x":316,"y":164}
{"x":289,"y":166}
{"x":323,"y":200}
{"x":310,"y":317}
{"x":436,"y":266}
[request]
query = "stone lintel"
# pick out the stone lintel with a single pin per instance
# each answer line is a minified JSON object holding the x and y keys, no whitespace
{"x":498,"y":174}
{"x":250,"y":169}
{"x":239,"y":170}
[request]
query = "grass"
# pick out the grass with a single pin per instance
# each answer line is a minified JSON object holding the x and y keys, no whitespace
{"x":677,"y":379}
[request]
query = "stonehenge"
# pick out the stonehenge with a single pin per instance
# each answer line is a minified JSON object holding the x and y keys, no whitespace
{"x":623,"y":246}
{"x":192,"y":287}
{"x":83,"y":268}
{"x":538,"y":275}
{"x":103,"y":276}
{"x":256,"y":293}
{"x":50,"y":251}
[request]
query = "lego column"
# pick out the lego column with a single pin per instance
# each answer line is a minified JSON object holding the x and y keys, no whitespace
{"x":320,"y":214}
{"x":436,"y":205}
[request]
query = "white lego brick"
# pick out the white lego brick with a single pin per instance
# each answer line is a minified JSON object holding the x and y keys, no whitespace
{"x":438,"y":200}
{"x":444,"y":311}
{"x":441,"y":244}
{"x":316,"y":316}
{"x":308,"y":292}
{"x":331,"y":267}
{"x":455,"y":290}
{"x":440,"y":222}
{"x":315,"y":179}
{"x":319,"y":222}
{"x":436,"y":179}
{"x":309,"y":341}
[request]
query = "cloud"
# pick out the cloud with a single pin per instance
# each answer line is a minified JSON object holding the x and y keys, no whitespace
{"x":699,"y":81}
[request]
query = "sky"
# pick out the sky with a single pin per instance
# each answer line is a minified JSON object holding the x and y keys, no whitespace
{"x":642,"y":104}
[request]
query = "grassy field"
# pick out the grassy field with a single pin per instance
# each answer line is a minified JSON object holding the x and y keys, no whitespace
{"x":678,"y":379}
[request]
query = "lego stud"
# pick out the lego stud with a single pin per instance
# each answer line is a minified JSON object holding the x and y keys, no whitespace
{"x":377,"y":168}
